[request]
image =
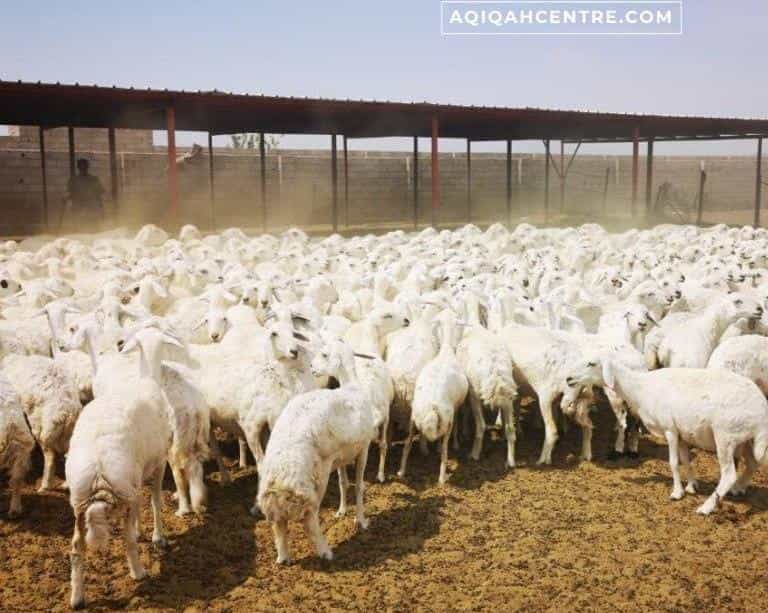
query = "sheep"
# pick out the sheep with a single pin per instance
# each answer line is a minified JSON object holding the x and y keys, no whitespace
{"x":489,"y":371}
{"x":712,"y":409}
{"x":744,"y":355}
{"x":317,"y":432}
{"x":121,"y":442}
{"x":688,"y":341}
{"x":441,"y":389}
{"x":51,"y":402}
{"x":16,"y":443}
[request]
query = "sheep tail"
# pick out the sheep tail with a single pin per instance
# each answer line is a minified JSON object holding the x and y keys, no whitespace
{"x":97,"y":509}
{"x":277,"y":503}
{"x":760,"y":445}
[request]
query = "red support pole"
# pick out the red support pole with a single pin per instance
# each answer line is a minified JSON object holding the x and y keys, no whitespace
{"x":635,"y":166}
{"x":562,"y":176}
{"x":211,"y":183}
{"x":649,"y":177}
{"x":173,"y":171}
{"x":334,"y":184}
{"x":509,"y":182}
{"x":415,"y":182}
{"x":346,"y":183}
{"x":469,"y":181}
{"x":546,"y":180}
{"x":263,"y":180}
{"x":71,"y":139}
{"x":435,"y":170}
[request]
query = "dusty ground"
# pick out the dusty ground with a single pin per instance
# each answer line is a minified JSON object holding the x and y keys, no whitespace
{"x":582,"y":537}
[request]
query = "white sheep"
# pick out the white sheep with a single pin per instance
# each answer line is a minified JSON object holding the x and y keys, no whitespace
{"x":712,"y":409}
{"x":744,"y":355}
{"x":16,"y":443}
{"x":440,"y":390}
{"x":121,"y":442}
{"x":317,"y":432}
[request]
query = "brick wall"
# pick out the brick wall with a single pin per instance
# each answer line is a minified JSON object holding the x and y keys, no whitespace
{"x":86,"y":139}
{"x":380,"y":189}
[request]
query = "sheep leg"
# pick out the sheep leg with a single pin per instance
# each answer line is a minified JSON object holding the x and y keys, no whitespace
{"x":182,"y":490}
{"x":728,"y":476}
{"x":15,"y":483}
{"x":674,"y":465}
{"x":243,"y":447}
{"x":685,"y":459}
{"x":49,"y":466}
{"x":343,"y":487}
{"x":383,"y":444}
{"x":444,"y":456}
{"x":77,"y":559}
{"x":750,"y":466}
{"x":135,"y":567}
{"x":477,"y":412}
{"x":423,"y":447}
{"x":617,"y":406}
{"x":280,"y":532}
{"x":158,"y":538}
{"x":224,"y":477}
{"x":587,"y":428}
{"x":550,"y":428}
{"x":315,"y":533}
{"x":196,"y":481}
{"x":362,"y":460}
{"x":508,"y":423}
{"x":406,"y":451}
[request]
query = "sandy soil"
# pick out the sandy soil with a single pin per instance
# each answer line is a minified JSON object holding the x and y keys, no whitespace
{"x":576,"y":536}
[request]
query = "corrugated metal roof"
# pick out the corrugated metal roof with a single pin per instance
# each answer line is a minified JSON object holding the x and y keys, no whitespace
{"x":57,"y":104}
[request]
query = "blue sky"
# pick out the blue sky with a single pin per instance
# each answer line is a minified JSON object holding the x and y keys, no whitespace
{"x":394,"y":50}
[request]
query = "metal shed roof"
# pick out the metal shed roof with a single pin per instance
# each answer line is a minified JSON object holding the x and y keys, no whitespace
{"x":54,"y":104}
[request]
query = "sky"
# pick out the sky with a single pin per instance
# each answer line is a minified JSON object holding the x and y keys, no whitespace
{"x":393,"y":50}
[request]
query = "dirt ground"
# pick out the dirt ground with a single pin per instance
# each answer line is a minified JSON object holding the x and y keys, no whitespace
{"x":577,"y":536}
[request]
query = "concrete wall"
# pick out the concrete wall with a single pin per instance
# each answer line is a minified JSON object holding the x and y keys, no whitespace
{"x":380,"y":189}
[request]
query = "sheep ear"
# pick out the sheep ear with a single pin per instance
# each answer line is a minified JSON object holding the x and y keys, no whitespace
{"x":131,"y":343}
{"x":365,"y":356}
{"x":172,"y":340}
{"x":229,"y":297}
{"x":651,"y":319}
{"x":159,"y":289}
{"x":608,"y":377}
{"x":300,"y":337}
{"x":200,"y":324}
{"x":483,"y":312}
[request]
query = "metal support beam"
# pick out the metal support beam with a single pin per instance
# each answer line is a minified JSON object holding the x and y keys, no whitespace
{"x":211,"y":183}
{"x":415,"y":182}
{"x":563,"y":173}
{"x":758,"y":182}
{"x":334,"y":184}
{"x":113,"y":176}
{"x":346,"y":182}
{"x":649,"y":177}
{"x":546,"y":180}
{"x":469,"y":181}
{"x":263,"y":180}
{"x":71,"y":140}
{"x":435,"y":170}
{"x":173,"y":171}
{"x":44,"y":176}
{"x":635,"y":167}
{"x":702,"y":182}
{"x":509,"y":182}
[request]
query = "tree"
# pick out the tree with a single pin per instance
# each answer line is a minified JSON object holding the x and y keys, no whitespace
{"x":251,"y":141}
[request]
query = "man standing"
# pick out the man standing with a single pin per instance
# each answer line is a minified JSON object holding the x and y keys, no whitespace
{"x":84,"y":198}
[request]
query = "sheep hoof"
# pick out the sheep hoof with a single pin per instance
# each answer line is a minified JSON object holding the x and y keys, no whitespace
{"x":283,"y":561}
{"x":14,"y":513}
{"x":341,"y":513}
{"x":634,"y":455}
{"x":400,"y":474}
{"x":738,"y":491}
{"x":510,"y":464}
{"x":361,"y":523}
{"x":381,"y":478}
{"x":255,"y":511}
{"x":139,"y":575}
{"x":613,"y":455}
{"x":160,"y":544}
{"x":691,"y":487}
{"x":677,"y":494}
{"x":183,"y":512}
{"x":704,"y":509}
{"x":43,"y":489}
{"x":327,"y":555}
{"x":79,"y":605}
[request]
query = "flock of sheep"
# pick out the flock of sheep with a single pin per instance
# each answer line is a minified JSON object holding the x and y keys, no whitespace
{"x":125,"y":355}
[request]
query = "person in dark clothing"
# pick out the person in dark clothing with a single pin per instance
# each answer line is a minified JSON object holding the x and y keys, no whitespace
{"x":85,"y":198}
